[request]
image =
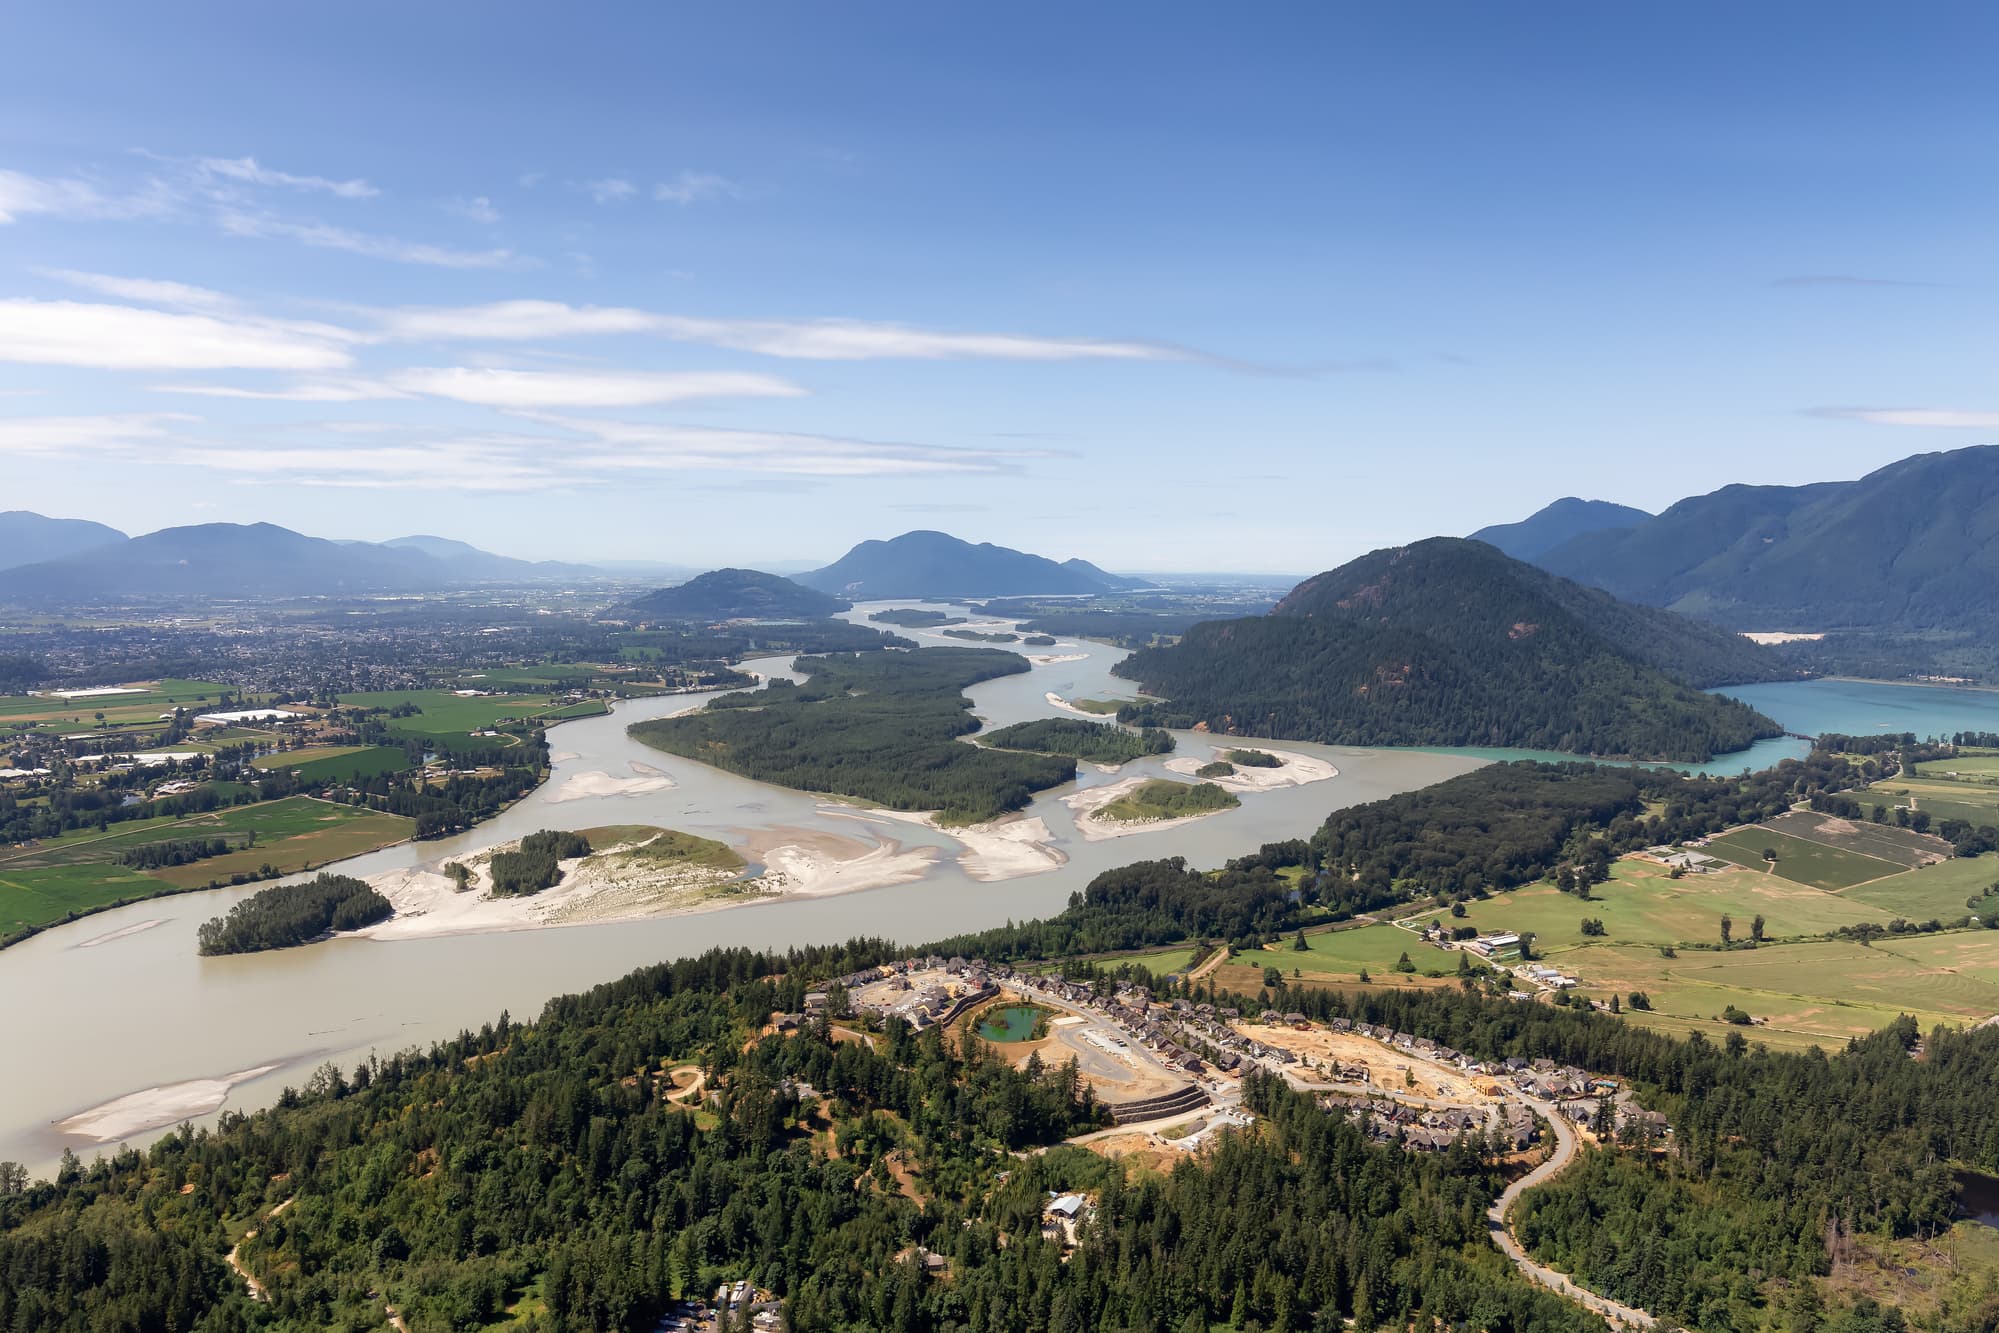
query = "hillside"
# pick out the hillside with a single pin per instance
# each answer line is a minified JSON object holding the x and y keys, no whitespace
{"x":1452,"y":642}
{"x":936,"y":564}
{"x":233,"y":560}
{"x":1912,"y":546}
{"x":27,"y":538}
{"x":735,"y":594}
{"x":467,"y":563}
{"x":1564,"y":520}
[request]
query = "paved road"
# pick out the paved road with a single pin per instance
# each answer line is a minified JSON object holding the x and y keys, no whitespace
{"x":1565,"y":1152}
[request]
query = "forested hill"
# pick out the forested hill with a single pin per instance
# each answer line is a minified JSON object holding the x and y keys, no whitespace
{"x":936,"y":564}
{"x":1564,"y":520}
{"x":736,"y":594}
{"x":1914,"y":545}
{"x":1452,"y":642}
{"x":27,"y":537}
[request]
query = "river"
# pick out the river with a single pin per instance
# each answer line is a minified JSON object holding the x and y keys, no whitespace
{"x":120,"y":1003}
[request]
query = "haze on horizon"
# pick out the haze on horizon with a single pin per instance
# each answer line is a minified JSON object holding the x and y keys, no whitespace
{"x":1125,"y":284}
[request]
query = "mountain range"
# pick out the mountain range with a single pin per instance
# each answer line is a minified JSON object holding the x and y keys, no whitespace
{"x":1452,"y":642}
{"x":228,"y":560}
{"x":27,"y":538}
{"x":1913,"y":546}
{"x":1564,"y":520}
{"x":938,"y":565}
{"x":735,"y":594}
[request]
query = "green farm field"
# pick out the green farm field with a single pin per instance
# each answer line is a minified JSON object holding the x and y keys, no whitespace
{"x":1802,"y":862}
{"x":445,"y":713}
{"x":1942,"y":892}
{"x":1642,"y":904}
{"x":121,"y":711}
{"x":338,"y":762}
{"x":80,"y":872}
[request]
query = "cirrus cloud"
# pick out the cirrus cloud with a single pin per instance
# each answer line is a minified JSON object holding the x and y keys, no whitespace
{"x":497,"y":387}
{"x":1944,"y":418}
{"x":114,"y":337}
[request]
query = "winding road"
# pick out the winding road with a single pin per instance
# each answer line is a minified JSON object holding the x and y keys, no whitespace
{"x":1566,"y":1143}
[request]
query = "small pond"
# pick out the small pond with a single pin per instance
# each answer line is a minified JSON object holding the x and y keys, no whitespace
{"x":1014,"y":1022}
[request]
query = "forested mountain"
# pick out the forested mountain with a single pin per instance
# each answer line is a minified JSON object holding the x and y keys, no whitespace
{"x":1914,"y":545}
{"x":1104,"y":577}
{"x":936,"y":564}
{"x":230,"y":560}
{"x":1452,"y":642}
{"x":1545,"y":529}
{"x":27,"y":538}
{"x":736,"y":594}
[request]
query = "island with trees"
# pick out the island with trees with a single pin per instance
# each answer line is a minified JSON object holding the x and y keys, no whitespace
{"x":880,"y":727}
{"x":286,"y":915}
{"x":1094,"y":742}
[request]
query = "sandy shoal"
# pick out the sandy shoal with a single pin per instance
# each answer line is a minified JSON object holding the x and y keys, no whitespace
{"x":812,"y":863}
{"x":645,"y":779}
{"x":1056,"y":659}
{"x":123,"y":931}
{"x":156,"y":1108}
{"x":1057,"y":701}
{"x":1088,"y":801}
{"x":1295,"y":771}
{"x":1009,"y":847}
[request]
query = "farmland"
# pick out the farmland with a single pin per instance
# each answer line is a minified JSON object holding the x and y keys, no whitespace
{"x":121,"y":712}
{"x":445,"y":713}
{"x":1798,"y":860}
{"x":79,"y":872}
{"x":337,"y":763}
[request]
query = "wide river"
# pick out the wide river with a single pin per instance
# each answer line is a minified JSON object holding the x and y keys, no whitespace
{"x":120,"y":1003}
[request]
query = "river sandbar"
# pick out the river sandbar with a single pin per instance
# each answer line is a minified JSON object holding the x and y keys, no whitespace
{"x":1295,"y":770}
{"x":1088,"y":801}
{"x":155,"y":1108}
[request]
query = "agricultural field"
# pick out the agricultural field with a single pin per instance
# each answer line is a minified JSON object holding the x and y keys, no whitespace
{"x":1336,"y":958}
{"x":122,"y":712}
{"x":1817,"y":993}
{"x":80,"y":872}
{"x":1802,"y":862}
{"x":337,"y":763}
{"x":1967,"y":766}
{"x":1643,"y":904}
{"x":1884,"y":842}
{"x":447,"y":714}
{"x":1942,"y":892}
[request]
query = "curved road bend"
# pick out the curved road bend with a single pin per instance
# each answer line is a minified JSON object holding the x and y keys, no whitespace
{"x":1624,"y":1316}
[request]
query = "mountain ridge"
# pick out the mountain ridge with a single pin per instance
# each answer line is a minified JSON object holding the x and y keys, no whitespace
{"x":736,"y":594}
{"x":926,"y":563}
{"x":1553,"y":524}
{"x":28,"y":538}
{"x":1452,"y":642}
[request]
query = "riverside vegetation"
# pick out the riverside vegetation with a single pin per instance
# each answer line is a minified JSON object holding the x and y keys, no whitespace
{"x":880,"y":727}
{"x":1096,"y":742}
{"x":286,"y":915}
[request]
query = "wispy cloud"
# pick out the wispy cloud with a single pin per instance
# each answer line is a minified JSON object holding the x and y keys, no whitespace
{"x":304,"y":391}
{"x":147,"y":291}
{"x":811,"y":340}
{"x":610,"y":190}
{"x":325,"y":236}
{"x":1844,"y":280}
{"x":650,"y":447}
{"x":113,"y":337}
{"x":542,"y":388}
{"x":477,"y":209}
{"x":248,"y":171}
{"x":1945,"y":418}
{"x":111,"y":433}
{"x":691,"y":187}
{"x":23,"y":195}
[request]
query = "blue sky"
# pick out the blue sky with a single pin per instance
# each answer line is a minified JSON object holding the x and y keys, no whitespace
{"x":1164,"y":286}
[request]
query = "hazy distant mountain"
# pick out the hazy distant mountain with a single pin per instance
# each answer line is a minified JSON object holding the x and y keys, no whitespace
{"x":735,"y":594}
{"x":1566,"y":519}
{"x":1453,"y":642}
{"x":936,"y":564}
{"x":27,"y":537}
{"x":1109,"y":580}
{"x":1914,"y":545}
{"x":233,"y":560}
{"x":468,"y":563}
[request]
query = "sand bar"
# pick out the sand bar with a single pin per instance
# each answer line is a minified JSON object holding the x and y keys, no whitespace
{"x":1295,"y":771}
{"x":1010,"y":847}
{"x":119,"y":934}
{"x":582,"y":786}
{"x":155,"y":1108}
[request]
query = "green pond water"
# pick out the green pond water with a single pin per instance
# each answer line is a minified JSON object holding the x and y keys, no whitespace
{"x":1013,"y":1023}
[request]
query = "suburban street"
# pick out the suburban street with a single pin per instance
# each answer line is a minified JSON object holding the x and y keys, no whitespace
{"x":1566,"y":1145}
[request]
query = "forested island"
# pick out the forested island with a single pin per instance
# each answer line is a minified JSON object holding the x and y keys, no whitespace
{"x":535,"y":864}
{"x":1451,"y":642}
{"x":285,"y":915}
{"x":880,"y":727}
{"x":1161,"y":798}
{"x":1096,"y":742}
{"x":910,"y":617}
